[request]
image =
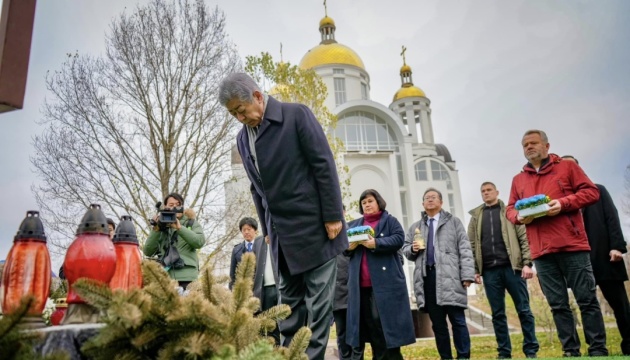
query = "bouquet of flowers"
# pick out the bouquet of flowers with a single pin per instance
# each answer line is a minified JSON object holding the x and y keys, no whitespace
{"x":536,"y":206}
{"x":360,"y":233}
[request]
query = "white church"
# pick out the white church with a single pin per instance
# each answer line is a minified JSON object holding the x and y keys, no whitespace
{"x":388,"y":148}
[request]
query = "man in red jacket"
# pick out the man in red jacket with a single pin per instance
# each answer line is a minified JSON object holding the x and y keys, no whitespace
{"x":558,"y":242}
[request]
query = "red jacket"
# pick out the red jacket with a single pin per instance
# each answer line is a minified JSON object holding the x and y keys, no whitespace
{"x":560,"y":180}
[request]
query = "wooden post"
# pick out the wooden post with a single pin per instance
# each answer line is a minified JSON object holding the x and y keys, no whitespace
{"x":16,"y":32}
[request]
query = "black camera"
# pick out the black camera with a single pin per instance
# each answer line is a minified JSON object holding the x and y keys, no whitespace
{"x":166,"y":216}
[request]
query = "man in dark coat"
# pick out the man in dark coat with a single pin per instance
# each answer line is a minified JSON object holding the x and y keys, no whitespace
{"x":605,"y":237}
{"x":295,"y":188}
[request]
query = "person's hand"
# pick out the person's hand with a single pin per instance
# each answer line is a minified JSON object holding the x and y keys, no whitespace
{"x":466,"y":283}
{"x":370,"y":243}
{"x":615,"y":255}
{"x":527,"y":272}
{"x":333,"y":228}
{"x":525,"y":220}
{"x":415,"y":246}
{"x":477,"y":279}
{"x":353,"y":245}
{"x":554,"y":208}
{"x":267,"y":239}
{"x":176,"y":225}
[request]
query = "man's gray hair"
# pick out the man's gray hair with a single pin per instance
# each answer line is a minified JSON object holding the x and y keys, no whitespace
{"x":237,"y":86}
{"x":543,"y":135}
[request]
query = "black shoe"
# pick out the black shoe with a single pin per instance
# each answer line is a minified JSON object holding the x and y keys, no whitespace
{"x":531,"y":356}
{"x":504,"y":357}
{"x":570,"y":354}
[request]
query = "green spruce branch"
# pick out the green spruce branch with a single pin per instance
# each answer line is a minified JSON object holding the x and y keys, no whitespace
{"x":209,"y":323}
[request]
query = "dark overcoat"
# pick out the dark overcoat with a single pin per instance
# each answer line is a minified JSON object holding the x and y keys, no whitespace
{"x":603,"y":229}
{"x":297,"y":189}
{"x":340,"y":300}
{"x":237,"y":255}
{"x":388,"y":285}
{"x":260,"y":250}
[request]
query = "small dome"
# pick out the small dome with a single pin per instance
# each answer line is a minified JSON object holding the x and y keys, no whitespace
{"x":334,"y":53}
{"x":405,"y":68}
{"x":326,"y":20}
{"x":409,"y":91}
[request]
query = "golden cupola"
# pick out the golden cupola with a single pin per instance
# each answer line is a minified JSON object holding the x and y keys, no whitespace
{"x":329,"y":51}
{"x":407,"y":89}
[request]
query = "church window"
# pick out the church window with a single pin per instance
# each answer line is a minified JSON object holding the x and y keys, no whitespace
{"x":364,"y":131}
{"x":421,"y":171}
{"x":440,"y":173}
{"x":340,"y":91}
{"x":399,"y":169}
{"x":338,"y":71}
{"x":364,"y":91}
{"x":403,"y":205}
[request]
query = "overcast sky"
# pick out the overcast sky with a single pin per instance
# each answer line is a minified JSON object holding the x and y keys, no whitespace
{"x":492,"y":69}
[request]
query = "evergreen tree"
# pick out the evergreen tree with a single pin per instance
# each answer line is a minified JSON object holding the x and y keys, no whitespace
{"x":208,"y":323}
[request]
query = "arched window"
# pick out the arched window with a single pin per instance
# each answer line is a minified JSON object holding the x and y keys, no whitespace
{"x":360,"y":130}
{"x":439,"y":172}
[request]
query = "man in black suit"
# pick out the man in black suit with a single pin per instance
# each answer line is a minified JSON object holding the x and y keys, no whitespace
{"x":605,"y":237}
{"x":265,"y":278}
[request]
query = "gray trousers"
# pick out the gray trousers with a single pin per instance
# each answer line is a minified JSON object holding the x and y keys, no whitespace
{"x":310,"y":296}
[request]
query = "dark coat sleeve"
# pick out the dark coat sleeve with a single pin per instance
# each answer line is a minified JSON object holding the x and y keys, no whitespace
{"x":234,"y":263}
{"x":613,"y":225}
{"x":395,"y":238}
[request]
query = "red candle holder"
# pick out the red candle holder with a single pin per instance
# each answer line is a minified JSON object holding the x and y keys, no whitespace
{"x":27,"y":270}
{"x":128,"y":273}
{"x":91,"y":255}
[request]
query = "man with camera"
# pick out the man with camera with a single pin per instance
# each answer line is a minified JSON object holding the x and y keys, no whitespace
{"x":175,"y":238}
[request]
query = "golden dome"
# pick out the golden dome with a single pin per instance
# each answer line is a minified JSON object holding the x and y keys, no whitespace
{"x":334,"y":53}
{"x":326,"y":20}
{"x":409,"y":91}
{"x":405,"y":68}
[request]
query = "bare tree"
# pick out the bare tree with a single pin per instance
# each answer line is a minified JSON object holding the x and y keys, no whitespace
{"x":126,"y":128}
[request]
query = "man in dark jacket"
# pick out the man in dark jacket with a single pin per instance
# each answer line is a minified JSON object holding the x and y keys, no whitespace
{"x":502,"y":257}
{"x":558,"y":242}
{"x":295,"y":188}
{"x":605,"y":236}
{"x":265,"y":278}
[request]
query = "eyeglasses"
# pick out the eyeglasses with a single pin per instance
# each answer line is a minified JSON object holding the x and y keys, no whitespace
{"x":430,"y":198}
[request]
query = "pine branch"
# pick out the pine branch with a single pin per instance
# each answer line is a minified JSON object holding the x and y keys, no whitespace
{"x":94,"y":292}
{"x":10,"y":321}
{"x":298,"y":345}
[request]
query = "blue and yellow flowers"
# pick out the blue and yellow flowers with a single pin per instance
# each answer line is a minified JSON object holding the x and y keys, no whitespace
{"x":532,"y":201}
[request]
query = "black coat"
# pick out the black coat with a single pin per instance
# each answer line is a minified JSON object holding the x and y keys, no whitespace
{"x":237,"y":255}
{"x":388,"y":285}
{"x":260,"y":250}
{"x":603,"y":229}
{"x":297,"y":189}
{"x":341,"y":284}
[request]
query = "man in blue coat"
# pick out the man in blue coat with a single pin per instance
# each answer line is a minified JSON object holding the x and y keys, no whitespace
{"x":295,"y":188}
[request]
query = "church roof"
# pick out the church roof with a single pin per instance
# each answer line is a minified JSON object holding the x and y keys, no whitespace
{"x":333,"y":53}
{"x":408,"y":91}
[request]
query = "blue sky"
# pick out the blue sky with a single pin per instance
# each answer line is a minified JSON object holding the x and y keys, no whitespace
{"x":491,"y":68}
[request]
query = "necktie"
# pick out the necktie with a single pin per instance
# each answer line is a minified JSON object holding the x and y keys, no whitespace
{"x":430,"y":248}
{"x":249,"y":247}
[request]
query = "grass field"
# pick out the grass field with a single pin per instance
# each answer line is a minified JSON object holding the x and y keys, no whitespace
{"x":484,"y":347}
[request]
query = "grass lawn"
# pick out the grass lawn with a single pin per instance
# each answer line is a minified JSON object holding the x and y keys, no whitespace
{"x":484,"y":347}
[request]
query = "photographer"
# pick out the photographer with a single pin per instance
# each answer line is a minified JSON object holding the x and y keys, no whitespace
{"x":176,"y":241}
